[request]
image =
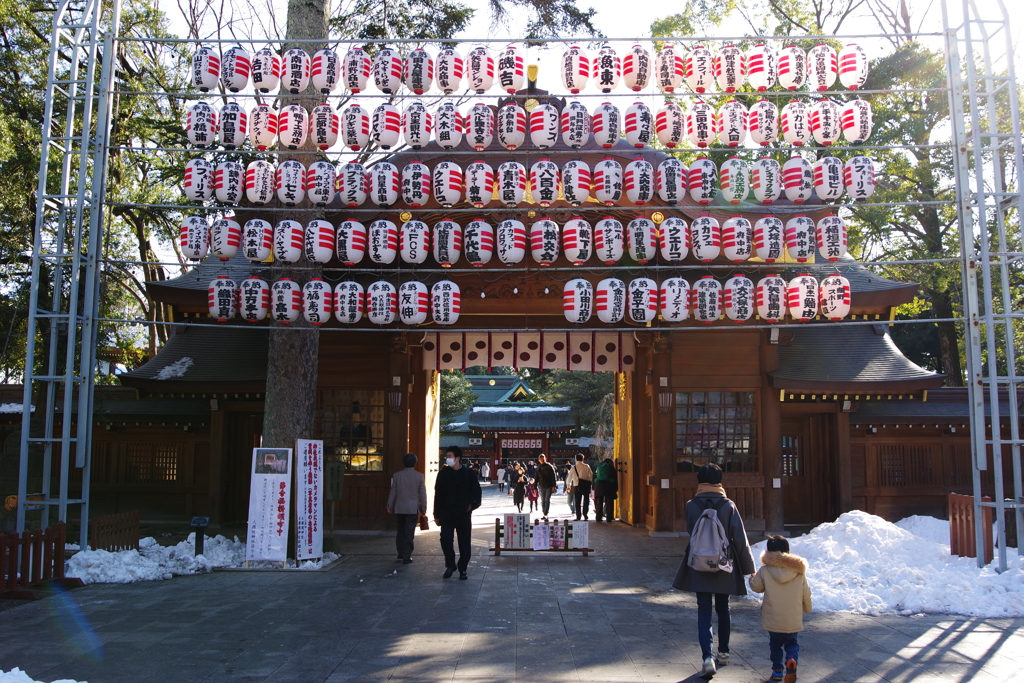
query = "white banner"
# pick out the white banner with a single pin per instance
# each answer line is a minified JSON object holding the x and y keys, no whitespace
{"x":269,"y":498}
{"x":309,"y":495}
{"x":580,"y":534}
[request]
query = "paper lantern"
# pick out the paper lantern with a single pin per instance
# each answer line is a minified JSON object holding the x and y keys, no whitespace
{"x":414,"y":242}
{"x":792,"y":67}
{"x":762,"y":67}
{"x":320,"y":181}
{"x":672,"y":181}
{"x":352,"y":184}
{"x":292,"y":126}
{"x":642,"y":300}
{"x":853,"y":66}
{"x":734,"y":180}
{"x":290,"y":182}
{"x":859,"y":177}
{"x":386,"y":126}
{"x":289,"y":239}
{"x":295,"y":69}
{"x":856,"y":121}
{"x":195,"y":238}
{"x":730,"y":68}
{"x":511,"y":69}
{"x":832,"y":237}
{"x":356,"y":69}
{"x":254,"y":299}
{"x":610,"y":300}
{"x":205,"y":68}
{"x":738,"y":298}
{"x":479,"y":183}
{"x":478,"y":243}
{"x":511,"y":126}
{"x":511,"y":242}
{"x":201,"y":125}
{"x":481,"y":70}
{"x":449,"y":126}
{"x":544,"y":241}
{"x":232,"y":125}
{"x":225,"y":236}
{"x":317,"y":303}
{"x":350,"y":242}
{"x":828,"y":178}
{"x":636,"y":68}
{"x":222,"y":298}
{"x":639,"y":125}
{"x":447,"y":183}
{"x":823,"y":121}
{"x":769,"y":239}
{"x":348,"y":302}
{"x":605,"y":125}
{"x":325,"y":71}
{"x":262,"y":127}
{"x":447,"y":242}
{"x":324,"y":125}
{"x":577,"y":240}
{"x":415,"y":184}
{"x":576,"y":182}
{"x":607,"y":69}
{"x":445,"y":302}
{"x":544,"y":182}
{"x":642,"y":238}
{"x":766,"y":180}
{"x":674,"y":300}
{"x":384,"y":184}
{"x":413,"y":302}
{"x":669,"y":68}
{"x":449,"y":70}
{"x":638,"y":181}
{"x":802,"y":297}
{"x":381,"y":303}
{"x":608,"y":181}
{"x":834,"y":297}
{"x":259,"y":182}
{"x":737,"y":239}
{"x":822,"y":67}
{"x":257,"y":240}
{"x":797,"y":179}
{"x":355,"y":127}
{"x":707,"y":299}
{"x":228,"y":182}
{"x":544,"y":126}
{"x":234,"y":69}
{"x":794,"y":123}
{"x":480,"y":128}
{"x":387,"y":71}
{"x":419,"y":71}
{"x":608,"y":240}
{"x":319,"y":243}
{"x":770,"y":298}
{"x":699,"y":69}
{"x":577,"y":300}
{"x":670,"y":124}
{"x":702,"y":180}
{"x":763,"y":122}
{"x":674,"y":239}
{"x":511,"y":183}
{"x":382,"y":241}
{"x":799,"y":236}
{"x":706,"y":238}
{"x":700,"y":124}
{"x":575,"y":69}
{"x":266,"y":70}
{"x":731,"y":123}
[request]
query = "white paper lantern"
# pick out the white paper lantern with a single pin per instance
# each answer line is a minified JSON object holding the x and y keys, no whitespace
{"x":295,"y":68}
{"x":859,"y":177}
{"x":357,"y":68}
{"x":763,"y":122}
{"x":706,"y":238}
{"x":195,"y":238}
{"x":511,"y":69}
{"x":449,"y":126}
{"x":319,"y":243}
{"x":792,"y":67}
{"x":478,"y":243}
{"x":292,"y":126}
{"x":730,"y":67}
{"x":577,"y":240}
{"x":544,"y":182}
{"x":414,"y":242}
{"x":674,"y":300}
{"x":770,"y":298}
{"x":766,"y":180}
{"x":289,"y":241}
{"x":290,"y":182}
{"x":699,"y":69}
{"x":607,"y":69}
{"x":576,"y":180}
{"x":738,"y":298}
{"x":201,"y":125}
{"x":822,"y":67}
{"x":324,"y":125}
{"x":228,"y":182}
{"x":317,"y":301}
{"x":608,"y":181}
{"x":413,"y":303}
{"x":416,"y":184}
{"x":257,"y":240}
{"x":205,"y":68}
{"x":828,"y":178}
{"x":544,"y":126}
{"x":795,"y":123}
{"x":480,"y":128}
{"x":386,"y":126}
{"x":762,"y":67}
{"x":355,"y":127}
{"x":737,"y":239}
{"x":834,"y":297}
{"x":700,"y":124}
{"x":642,"y":300}
{"x":639,"y":125}
{"x":381,"y":303}
{"x":575,"y":69}
{"x":266,"y":70}
{"x":799,"y":238}
{"x":419,"y":71}
{"x":222,"y":298}
{"x":445,"y":302}
{"x":672,"y":181}
{"x":669,"y":68}
{"x":352,"y":184}
{"x":511,"y":126}
{"x":447,"y":183}
{"x":575,"y":124}
{"x":734,"y":180}
{"x":608,"y":240}
{"x":479,"y":183}
{"x":856,"y":121}
{"x":769,"y":239}
{"x":636,"y":68}
{"x":384,"y":184}
{"x":544,"y":240}
{"x":832,"y":237}
{"x":610,"y":300}
{"x":232,"y":125}
{"x":449,"y":70}
{"x":853,"y":66}
{"x":702,"y":180}
{"x":382,"y":241}
{"x":577,"y":300}
{"x":707,"y":299}
{"x":605,"y":124}
{"x":262,"y":127}
{"x":348,"y":302}
{"x":325,"y":71}
{"x":320,"y":181}
{"x":823,"y":120}
{"x":225,"y":236}
{"x":481,"y":70}
{"x":638,"y":181}
{"x":670,"y":124}
{"x":447,"y":242}
{"x":802,"y":297}
{"x":642,"y":238}
{"x":259,"y":182}
{"x":254,"y":299}
{"x":674,"y":239}
{"x":350,"y":242}
{"x":387,"y":71}
{"x":797,"y":179}
{"x":731,"y":123}
{"x":511,"y":242}
{"x":511,"y":183}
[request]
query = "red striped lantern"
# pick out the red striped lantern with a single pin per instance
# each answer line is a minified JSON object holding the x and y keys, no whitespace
{"x":289,"y":239}
{"x":737,"y":239}
{"x":822,"y":67}
{"x":608,"y":240}
{"x":738,"y":298}
{"x":447,"y":183}
{"x":577,"y":240}
{"x":766,"y":180}
{"x":642,"y":238}
{"x":639,"y":125}
{"x":797,"y":179}
{"x":445,"y":302}
{"x":544,"y":126}
{"x":449,"y":70}
{"x":381,"y":303}
{"x":205,"y":68}
{"x":577,"y":300}
{"x":478,"y":241}
{"x":605,"y":124}
{"x":699,"y":69}
{"x":481,"y":70}
{"x":856,"y":121}
{"x":638,"y":181}
{"x":828,"y":178}
{"x":672,"y":181}
{"x":707,"y":299}
{"x":415,"y":184}
{"x":201,"y":125}
{"x":669,"y":68}
{"x":254,"y":299}
{"x":674,"y":239}
{"x":352,"y":184}
{"x":853,"y":66}
{"x":636,"y":68}
{"x":511,"y":69}
{"x":324,"y":125}
{"x":320,"y":181}
{"x":859,"y":177}
{"x":447,"y":242}
{"x":225,"y":236}
{"x":414,"y":242}
{"x":295,"y":67}
{"x":607,"y":69}
{"x":222,"y":298}
{"x":834,"y":297}
{"x":356,"y":69}
{"x":706,"y":238}
{"x":795,"y":124}
{"x":262,"y":127}
{"x":769,"y":239}
{"x":675,"y":300}
{"x":348,"y":302}
{"x":266,"y":70}
{"x":544,"y":182}
{"x":575,"y":124}
{"x":575,"y":69}
{"x":511,"y":242}
{"x":382,"y":241}
{"x":384,"y":184}
{"x":257,"y":240}
{"x":792,"y":67}
{"x":608,"y":181}
{"x":233,"y":125}
{"x":386,"y":125}
{"x":413,"y":302}
{"x":802,"y":297}
{"x":544,"y":241}
{"x":734,"y":180}
{"x":730,"y":67}
{"x":762,"y":67}
{"x":731,"y":123}
{"x":799,"y":238}
{"x":511,"y":126}
{"x":700,"y":124}
{"x":642,"y":300}
{"x":610,"y":300}
{"x":419,"y":71}
{"x":290,"y":182}
{"x":670,"y":124}
{"x":702,"y":180}
{"x":317,"y":303}
{"x":763,"y":122}
{"x":355,"y":127}
{"x":387,"y":71}
{"x":823,"y":120}
{"x":319,"y":241}
{"x":832,"y":237}
{"x":576,"y":182}
{"x":511,"y":182}
{"x":292,"y":126}
{"x":259,"y":182}
{"x":449,"y":126}
{"x":195,"y":238}
{"x":479,"y":183}
{"x":228,"y":182}
{"x":770,"y":298}
{"x":481,"y":126}
{"x":325,"y":71}
{"x":350,"y":242}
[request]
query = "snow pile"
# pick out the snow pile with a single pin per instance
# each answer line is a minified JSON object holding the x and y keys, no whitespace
{"x":176,"y":369}
{"x":13,"y":408}
{"x":862,"y":563}
{"x":16,"y":675}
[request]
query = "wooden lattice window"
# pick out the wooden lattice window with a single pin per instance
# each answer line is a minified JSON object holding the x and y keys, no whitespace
{"x":151,"y":463}
{"x":718,"y":427}
{"x":905,"y":465}
{"x":351,"y":424}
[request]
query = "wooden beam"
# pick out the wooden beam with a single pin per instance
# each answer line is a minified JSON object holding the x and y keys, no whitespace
{"x":770,"y":442}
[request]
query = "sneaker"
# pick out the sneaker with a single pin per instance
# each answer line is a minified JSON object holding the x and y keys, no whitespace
{"x":790,"y":672}
{"x":722,"y":659}
{"x":776,"y":675}
{"x":709,"y":668}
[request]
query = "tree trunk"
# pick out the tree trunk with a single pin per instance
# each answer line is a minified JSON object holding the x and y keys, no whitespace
{"x":949,"y":349}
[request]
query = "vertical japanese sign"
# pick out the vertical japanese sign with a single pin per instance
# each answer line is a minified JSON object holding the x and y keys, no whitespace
{"x":269,"y":498}
{"x":580,"y":534}
{"x":309,"y":496}
{"x":517,"y":532}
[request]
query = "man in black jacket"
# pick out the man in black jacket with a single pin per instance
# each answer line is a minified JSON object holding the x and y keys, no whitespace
{"x":547,"y":483}
{"x":456,"y":495}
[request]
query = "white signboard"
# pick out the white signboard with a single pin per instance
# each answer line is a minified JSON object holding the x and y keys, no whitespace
{"x":580,"y":534}
{"x":269,"y":500}
{"x":557,"y":537}
{"x":517,"y":532}
{"x":522,"y":443}
{"x":309,"y":495}
{"x":541,"y":537}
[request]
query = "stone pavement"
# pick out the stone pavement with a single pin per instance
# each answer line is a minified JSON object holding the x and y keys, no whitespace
{"x":527,"y":617}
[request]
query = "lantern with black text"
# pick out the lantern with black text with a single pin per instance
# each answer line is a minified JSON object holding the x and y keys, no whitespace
{"x":317,"y":303}
{"x":356,"y":69}
{"x":608,"y":238}
{"x":856,"y":121}
{"x":228,"y":182}
{"x":642,"y":239}
{"x":350,"y":242}
{"x":608,"y":181}
{"x":295,"y":67}
{"x":859,"y":177}
{"x":738,"y":298}
{"x":290,"y":182}
{"x":669,"y":67}
{"x":257,"y":240}
{"x":642,"y":300}
{"x":799,"y":236}
{"x":511,"y":126}
{"x":447,"y":183}
{"x":575,"y":69}
{"x":445,"y":302}
{"x":605,"y":124}
{"x":384,"y":183}
{"x":707,"y":299}
{"x":222,"y":298}
{"x":762,"y":67}
{"x":478,"y":243}
{"x":324,"y":125}
{"x":225,"y":236}
{"x":262,"y":127}
{"x":254,"y":299}
{"x":415,"y":184}
{"x":292,"y":126}
{"x":638,"y":125}
{"x":288,"y":241}
{"x":419,"y":71}
{"x":834,"y":297}
{"x":797,"y":179}
{"x":802,"y":297}
{"x":266,"y":70}
{"x":763,"y":122}
{"x":387,"y":71}
{"x":766,"y":180}
{"x":201,"y":125}
{"x":706,"y":238}
{"x":259,"y":182}
{"x":577,"y":300}
{"x":770,"y":298}
{"x":480,"y":70}
{"x":734,"y":180}
{"x":577,"y":240}
{"x":670,"y":124}
{"x":730,"y":67}
{"x":610,"y":300}
{"x":205,"y":68}
{"x":674,"y":300}
{"x":449,"y":126}
{"x":355,"y":127}
{"x":792,"y":67}
{"x":479,"y":183}
{"x":414,"y":242}
{"x":544,"y":241}
{"x":325,"y":71}
{"x":832,"y":237}
{"x":576,"y":182}
{"x":320,"y":181}
{"x":382,"y":241}
{"x":511,"y":69}
{"x":511,"y":183}
{"x":511,"y":242}
{"x":636,"y":68}
{"x":413,"y":302}
{"x":544,"y":125}
{"x":828,"y":178}
{"x":700,"y":123}
{"x":769,"y":239}
{"x":638,"y":181}
{"x":702,"y":180}
{"x":449,"y":70}
{"x":731,"y":123}
{"x":674,"y":239}
{"x":195,"y":238}
{"x":737,"y":239}
{"x":447,"y":242}
{"x":233,"y":125}
{"x":286,"y":301}
{"x":348,"y":302}
{"x":607,"y":69}
{"x":480,"y":126}
{"x":544,"y":182}
{"x":823,"y":120}
{"x":319,"y":242}
{"x":794,"y":123}
{"x":822,"y":67}
{"x":699,"y":69}
{"x":672,"y":181}
{"x":386,"y":125}
{"x":352,"y":184}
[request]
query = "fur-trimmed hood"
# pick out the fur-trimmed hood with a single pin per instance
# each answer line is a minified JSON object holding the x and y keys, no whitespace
{"x":784,"y":567}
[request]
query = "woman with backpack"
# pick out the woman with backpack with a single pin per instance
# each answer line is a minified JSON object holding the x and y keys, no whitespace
{"x":714,"y":578}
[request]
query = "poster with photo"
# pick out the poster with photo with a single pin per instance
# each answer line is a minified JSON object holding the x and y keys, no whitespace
{"x":269,"y":504}
{"x":309,"y":496}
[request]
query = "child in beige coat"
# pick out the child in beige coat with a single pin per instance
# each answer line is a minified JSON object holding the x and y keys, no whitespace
{"x":787,"y":598}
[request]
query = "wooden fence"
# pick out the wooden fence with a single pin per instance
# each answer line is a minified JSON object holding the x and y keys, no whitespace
{"x":115,"y":532}
{"x":961,"y":527}
{"x":33,"y":558}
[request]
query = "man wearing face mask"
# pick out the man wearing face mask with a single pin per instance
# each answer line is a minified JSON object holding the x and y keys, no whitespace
{"x":456,"y":495}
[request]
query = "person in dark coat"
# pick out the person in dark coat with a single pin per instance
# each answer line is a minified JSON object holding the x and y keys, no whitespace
{"x":518,"y":487}
{"x":407,"y":500}
{"x":717,"y":586}
{"x":606,"y":489}
{"x":547,"y":483}
{"x":456,"y":495}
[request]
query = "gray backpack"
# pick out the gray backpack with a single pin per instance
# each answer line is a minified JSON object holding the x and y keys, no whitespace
{"x":709,"y":544}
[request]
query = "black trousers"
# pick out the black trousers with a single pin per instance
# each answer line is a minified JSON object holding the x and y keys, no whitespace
{"x":463,"y":524}
{"x":581,"y":496}
{"x":604,"y":505}
{"x":406,"y":530}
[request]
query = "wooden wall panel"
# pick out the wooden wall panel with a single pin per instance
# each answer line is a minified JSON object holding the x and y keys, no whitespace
{"x":716,"y":360}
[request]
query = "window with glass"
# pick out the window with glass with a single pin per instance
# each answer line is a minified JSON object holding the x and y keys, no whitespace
{"x":716,"y":427}
{"x":351,"y":424}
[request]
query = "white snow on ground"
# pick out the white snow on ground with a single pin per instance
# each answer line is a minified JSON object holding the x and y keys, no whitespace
{"x":176,"y":369}
{"x":13,"y":408}
{"x":16,"y":675}
{"x":862,"y":563}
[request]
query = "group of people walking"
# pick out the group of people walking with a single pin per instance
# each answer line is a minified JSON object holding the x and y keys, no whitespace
{"x":534,"y":484}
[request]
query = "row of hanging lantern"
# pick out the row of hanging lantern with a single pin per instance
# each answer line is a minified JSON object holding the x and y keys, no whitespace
{"x":700,"y":67}
{"x":736,"y":240}
{"x":800,"y":123}
{"x":575,"y":182}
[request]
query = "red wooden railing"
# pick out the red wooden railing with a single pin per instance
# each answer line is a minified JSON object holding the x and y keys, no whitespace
{"x":115,"y":532}
{"x":961,"y":527}
{"x":32,"y":558}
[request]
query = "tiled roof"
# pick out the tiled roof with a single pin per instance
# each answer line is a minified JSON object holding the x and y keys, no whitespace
{"x":522,"y":419}
{"x":947,"y":403}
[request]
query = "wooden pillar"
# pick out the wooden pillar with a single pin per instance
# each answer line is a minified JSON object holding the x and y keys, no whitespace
{"x":771,"y":439}
{"x":216,"y":471}
{"x":844,"y":467}
{"x":396,"y":444}
{"x":663,"y":435}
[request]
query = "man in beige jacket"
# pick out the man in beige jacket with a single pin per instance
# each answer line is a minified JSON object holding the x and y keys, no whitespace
{"x":407,"y":500}
{"x":787,"y":598}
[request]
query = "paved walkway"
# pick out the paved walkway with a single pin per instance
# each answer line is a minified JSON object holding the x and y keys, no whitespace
{"x":531,"y":617}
